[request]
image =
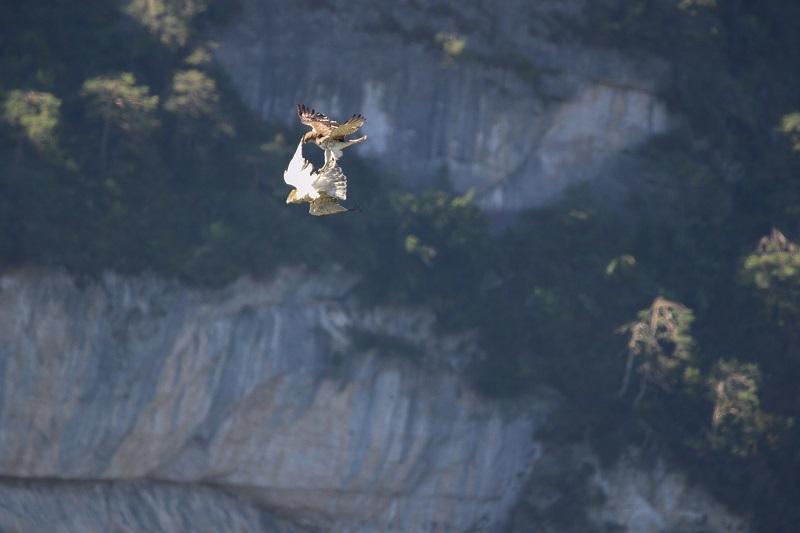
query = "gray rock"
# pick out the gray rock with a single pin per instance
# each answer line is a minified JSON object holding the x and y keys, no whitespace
{"x":652,"y":497}
{"x":128,"y":507}
{"x":252,"y":389}
{"x":506,"y":101}
{"x":569,"y":490}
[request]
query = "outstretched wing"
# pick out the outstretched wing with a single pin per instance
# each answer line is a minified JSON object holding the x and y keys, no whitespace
{"x":318,"y":122}
{"x":351,"y":126}
{"x":331,"y":180}
{"x":300,"y":172}
{"x":325,"y":205}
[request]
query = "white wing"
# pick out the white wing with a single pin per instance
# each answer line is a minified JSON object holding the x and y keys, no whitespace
{"x":331,"y":180}
{"x":300,"y":172}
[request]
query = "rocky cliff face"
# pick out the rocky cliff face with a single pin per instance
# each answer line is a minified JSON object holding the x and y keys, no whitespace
{"x":252,"y":391}
{"x":140,"y":405}
{"x":76,"y":506}
{"x":505,"y":101}
{"x":569,"y":490}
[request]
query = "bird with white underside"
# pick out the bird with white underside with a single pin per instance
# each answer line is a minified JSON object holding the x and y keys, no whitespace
{"x":322,"y":189}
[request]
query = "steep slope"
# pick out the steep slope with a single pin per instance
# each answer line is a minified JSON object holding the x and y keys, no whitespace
{"x":505,"y":101}
{"x":251,"y":389}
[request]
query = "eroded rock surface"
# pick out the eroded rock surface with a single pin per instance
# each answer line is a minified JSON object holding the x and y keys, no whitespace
{"x":130,"y":507}
{"x":506,"y":101}
{"x":252,"y":389}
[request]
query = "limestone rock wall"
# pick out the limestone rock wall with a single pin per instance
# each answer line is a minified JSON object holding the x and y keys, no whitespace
{"x":501,"y":99}
{"x":131,"y":507}
{"x":252,"y":390}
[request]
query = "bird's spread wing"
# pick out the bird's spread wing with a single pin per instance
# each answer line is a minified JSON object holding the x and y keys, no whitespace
{"x":345,"y":129}
{"x":300,"y":172}
{"x":325,"y":205}
{"x":331,"y":180}
{"x":318,"y":122}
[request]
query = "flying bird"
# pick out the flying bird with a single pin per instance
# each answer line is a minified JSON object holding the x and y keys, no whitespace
{"x":329,"y":134}
{"x":322,"y":189}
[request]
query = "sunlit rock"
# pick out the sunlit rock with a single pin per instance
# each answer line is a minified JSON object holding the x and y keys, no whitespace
{"x":508,"y":102}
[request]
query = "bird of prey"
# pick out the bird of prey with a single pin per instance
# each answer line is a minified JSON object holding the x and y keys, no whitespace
{"x":329,"y":134}
{"x":321,"y":189}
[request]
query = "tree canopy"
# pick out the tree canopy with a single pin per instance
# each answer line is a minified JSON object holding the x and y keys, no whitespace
{"x":34,"y":114}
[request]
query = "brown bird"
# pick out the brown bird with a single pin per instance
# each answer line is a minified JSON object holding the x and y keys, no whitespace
{"x":329,"y":134}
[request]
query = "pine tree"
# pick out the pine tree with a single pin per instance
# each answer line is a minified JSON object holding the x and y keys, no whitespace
{"x":119,"y":103}
{"x":34,"y":115}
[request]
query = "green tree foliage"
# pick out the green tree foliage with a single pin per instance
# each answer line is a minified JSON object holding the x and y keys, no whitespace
{"x":423,"y":247}
{"x":193,"y":99}
{"x":119,"y":194}
{"x":737,"y":421}
{"x":660,"y":347}
{"x":169,"y":20}
{"x":790,"y":126}
{"x":193,"y":94}
{"x":773,"y":270}
{"x":199,"y":56}
{"x":119,"y":103}
{"x":772,"y":274}
{"x":34,"y":114}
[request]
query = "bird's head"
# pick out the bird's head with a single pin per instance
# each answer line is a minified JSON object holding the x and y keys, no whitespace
{"x":292,"y":198}
{"x":308,"y":136}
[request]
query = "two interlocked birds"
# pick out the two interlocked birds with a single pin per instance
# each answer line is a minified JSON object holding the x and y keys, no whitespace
{"x":324,"y":188}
